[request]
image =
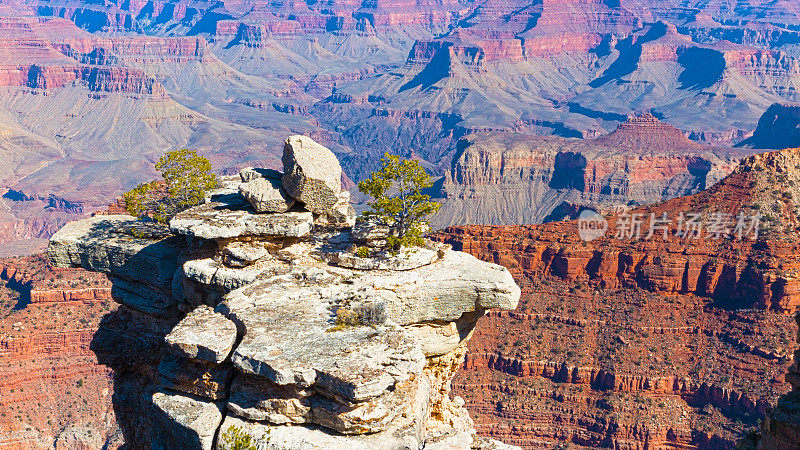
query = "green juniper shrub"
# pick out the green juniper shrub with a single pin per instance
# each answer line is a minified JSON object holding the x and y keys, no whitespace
{"x":405,"y":212}
{"x":187,"y":177}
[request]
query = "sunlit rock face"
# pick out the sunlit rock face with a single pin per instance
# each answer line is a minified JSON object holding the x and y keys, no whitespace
{"x":232,"y":317}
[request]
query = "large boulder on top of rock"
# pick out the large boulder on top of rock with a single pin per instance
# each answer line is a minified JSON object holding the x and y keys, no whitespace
{"x":311,"y":174}
{"x":263,"y":190}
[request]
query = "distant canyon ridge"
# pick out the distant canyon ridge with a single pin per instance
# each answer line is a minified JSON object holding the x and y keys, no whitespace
{"x":523,"y":110}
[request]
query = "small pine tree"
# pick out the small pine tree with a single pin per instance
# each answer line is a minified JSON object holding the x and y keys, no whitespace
{"x":405,"y":212}
{"x":187,"y":177}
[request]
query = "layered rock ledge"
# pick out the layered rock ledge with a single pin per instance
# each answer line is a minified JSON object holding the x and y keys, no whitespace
{"x":270,"y":322}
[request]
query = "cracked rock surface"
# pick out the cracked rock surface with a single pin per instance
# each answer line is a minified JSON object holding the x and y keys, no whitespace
{"x":266,"y":327}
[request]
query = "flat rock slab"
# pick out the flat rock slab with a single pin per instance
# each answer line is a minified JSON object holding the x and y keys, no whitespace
{"x":404,"y":260}
{"x":458,"y":283}
{"x":203,"y":335}
{"x":221,"y":220}
{"x":101,"y":244}
{"x":242,"y":254}
{"x":290,"y":339}
{"x":185,"y":422}
{"x":249,"y":174}
{"x":211,"y":272}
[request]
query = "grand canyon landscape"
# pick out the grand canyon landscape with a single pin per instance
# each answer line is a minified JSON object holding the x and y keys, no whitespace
{"x":508,"y":328}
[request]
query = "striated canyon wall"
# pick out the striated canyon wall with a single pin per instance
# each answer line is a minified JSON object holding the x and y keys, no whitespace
{"x":499,"y":178}
{"x":626,"y":342}
{"x":53,"y":390}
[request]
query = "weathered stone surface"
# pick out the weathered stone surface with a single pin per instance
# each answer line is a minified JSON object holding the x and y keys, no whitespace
{"x":265,"y":193}
{"x":218,"y":220}
{"x":211,"y":272}
{"x":195,"y":377}
{"x":407,"y":431}
{"x":289,"y":340}
{"x":100,"y":244}
{"x":184,"y":422}
{"x":406,"y":259}
{"x":342,"y":214}
{"x":257,"y":398}
{"x":143,"y":297}
{"x":140,"y":258}
{"x":203,"y":335}
{"x":249,"y":174}
{"x":311,"y":174}
{"x":368,"y":231}
{"x":438,"y":339}
{"x":444,"y":290}
{"x":241,"y":254}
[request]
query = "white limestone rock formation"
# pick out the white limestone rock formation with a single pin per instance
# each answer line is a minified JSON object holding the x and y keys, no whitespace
{"x":269,"y":322}
{"x":219,"y":220}
{"x":203,"y":335}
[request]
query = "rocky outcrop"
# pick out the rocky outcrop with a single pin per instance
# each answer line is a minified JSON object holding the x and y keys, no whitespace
{"x":311,"y":174}
{"x":264,"y":191}
{"x":287,"y":336}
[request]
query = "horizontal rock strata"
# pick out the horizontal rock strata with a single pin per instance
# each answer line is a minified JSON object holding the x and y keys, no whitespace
{"x":233,"y":317}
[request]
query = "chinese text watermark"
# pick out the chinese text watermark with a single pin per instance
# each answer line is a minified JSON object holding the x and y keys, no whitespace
{"x":641,"y":226}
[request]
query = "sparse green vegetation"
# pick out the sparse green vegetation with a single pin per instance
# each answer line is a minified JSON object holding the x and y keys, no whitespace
{"x":234,"y":438}
{"x":187,"y":177}
{"x":405,"y":212}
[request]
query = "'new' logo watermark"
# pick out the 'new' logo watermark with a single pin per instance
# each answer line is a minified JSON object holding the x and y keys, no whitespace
{"x":591,"y":225}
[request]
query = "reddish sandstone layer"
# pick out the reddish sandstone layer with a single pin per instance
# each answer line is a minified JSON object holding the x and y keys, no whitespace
{"x":53,"y":53}
{"x":34,"y":278}
{"x":52,"y":387}
{"x":666,"y":342}
{"x":506,"y":178}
